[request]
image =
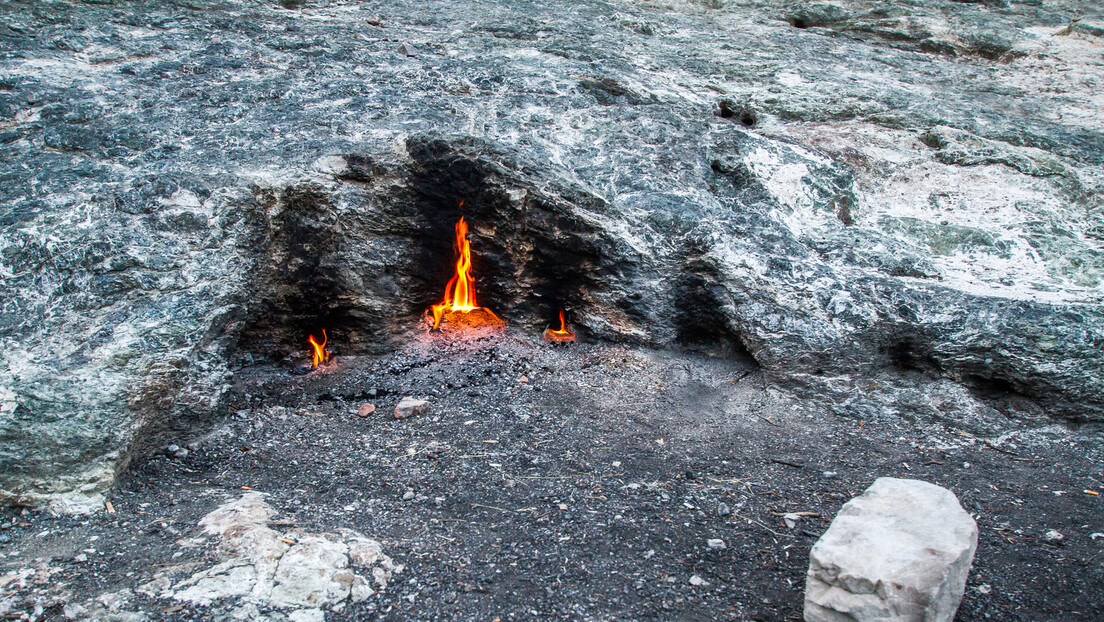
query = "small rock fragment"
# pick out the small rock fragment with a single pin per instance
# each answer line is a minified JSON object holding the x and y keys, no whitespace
{"x":1053,"y":536}
{"x":408,"y":407}
{"x":406,"y":49}
{"x":829,"y":474}
{"x":307,"y":615}
{"x":723,"y":509}
{"x":408,"y":495}
{"x":365,"y":409}
{"x":697,"y":581}
{"x":716,"y":544}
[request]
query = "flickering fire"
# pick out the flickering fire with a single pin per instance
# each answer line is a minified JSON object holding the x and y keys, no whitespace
{"x":460,"y":290}
{"x":559,"y":335}
{"x":321,"y":354}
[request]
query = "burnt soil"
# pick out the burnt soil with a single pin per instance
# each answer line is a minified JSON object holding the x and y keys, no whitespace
{"x":575,"y":482}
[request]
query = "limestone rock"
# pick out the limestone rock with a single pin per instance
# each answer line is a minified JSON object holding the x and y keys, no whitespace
{"x":296,"y":571}
{"x":409,"y":406}
{"x":901,"y":551}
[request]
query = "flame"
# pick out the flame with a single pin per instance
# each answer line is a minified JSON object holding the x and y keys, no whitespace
{"x":321,"y":354}
{"x":563,"y":328}
{"x":460,"y":290}
{"x":560,"y":335}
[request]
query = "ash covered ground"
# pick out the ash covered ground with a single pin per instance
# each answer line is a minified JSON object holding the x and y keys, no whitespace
{"x":560,"y":482}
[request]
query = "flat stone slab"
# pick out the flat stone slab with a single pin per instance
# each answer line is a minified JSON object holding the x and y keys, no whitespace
{"x":900,"y":551}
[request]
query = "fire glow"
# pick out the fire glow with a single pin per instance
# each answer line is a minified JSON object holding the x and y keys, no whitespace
{"x":559,"y":335}
{"x":460,"y":290}
{"x":321,"y":354}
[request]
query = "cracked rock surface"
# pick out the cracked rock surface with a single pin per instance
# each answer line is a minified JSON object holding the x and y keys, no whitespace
{"x":298,"y":572}
{"x":895,"y":211}
{"x":900,"y":551}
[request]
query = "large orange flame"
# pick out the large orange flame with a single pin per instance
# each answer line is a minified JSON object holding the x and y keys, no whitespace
{"x":460,"y":290}
{"x":321,"y":354}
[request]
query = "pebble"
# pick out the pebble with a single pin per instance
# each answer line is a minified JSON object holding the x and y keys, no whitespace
{"x":176,"y":451}
{"x":723,"y":509}
{"x":365,"y":410}
{"x":409,"y":406}
{"x":716,"y":544}
{"x":829,"y":474}
{"x":408,"y":495}
{"x":406,"y":49}
{"x":1053,"y":536}
{"x":698,"y":581}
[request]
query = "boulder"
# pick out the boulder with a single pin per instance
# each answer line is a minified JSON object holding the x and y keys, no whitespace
{"x":901,"y":551}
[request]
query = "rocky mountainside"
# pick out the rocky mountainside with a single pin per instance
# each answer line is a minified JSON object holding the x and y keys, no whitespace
{"x":894,"y":209}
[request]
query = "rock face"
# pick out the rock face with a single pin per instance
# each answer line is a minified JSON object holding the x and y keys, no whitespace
{"x":901,"y":551}
{"x":187,"y":190}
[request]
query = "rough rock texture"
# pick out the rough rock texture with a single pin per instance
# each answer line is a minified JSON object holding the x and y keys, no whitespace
{"x":901,"y":551}
{"x":895,"y":210}
{"x":291,"y":570}
{"x":409,"y":406}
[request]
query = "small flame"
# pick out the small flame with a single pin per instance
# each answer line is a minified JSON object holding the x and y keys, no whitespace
{"x":321,"y":354}
{"x":563,"y":327}
{"x":561,"y":334}
{"x":460,"y":290}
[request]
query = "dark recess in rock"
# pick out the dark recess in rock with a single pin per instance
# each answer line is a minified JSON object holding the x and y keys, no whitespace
{"x":741,"y":112}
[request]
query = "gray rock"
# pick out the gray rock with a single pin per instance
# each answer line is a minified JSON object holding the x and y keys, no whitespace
{"x":749,"y":184}
{"x":900,"y":551}
{"x":409,"y":406}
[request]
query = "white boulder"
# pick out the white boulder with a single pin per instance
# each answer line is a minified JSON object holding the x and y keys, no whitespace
{"x":901,"y":551}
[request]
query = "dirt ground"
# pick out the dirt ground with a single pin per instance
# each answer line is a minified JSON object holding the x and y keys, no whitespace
{"x":576,"y":482}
